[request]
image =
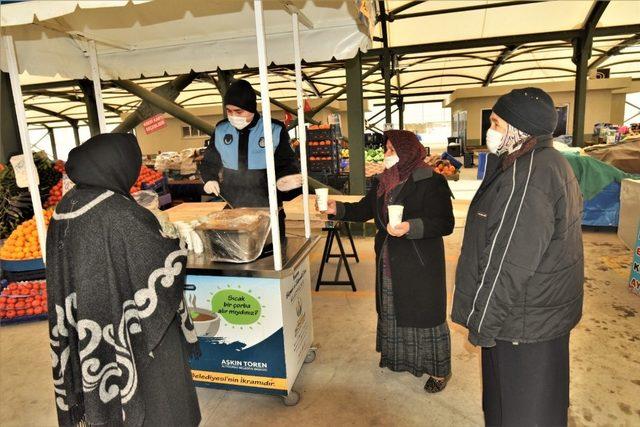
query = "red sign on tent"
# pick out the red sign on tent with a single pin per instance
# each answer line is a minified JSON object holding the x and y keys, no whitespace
{"x":154,"y":123}
{"x":307,"y":106}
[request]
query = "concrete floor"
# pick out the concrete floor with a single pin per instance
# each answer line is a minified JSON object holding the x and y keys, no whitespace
{"x":345,"y":386}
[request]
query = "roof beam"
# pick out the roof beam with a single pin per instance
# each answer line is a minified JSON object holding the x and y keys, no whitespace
{"x":70,"y":97}
{"x":147,"y":109}
{"x":614,"y":51}
{"x":392,"y":15}
{"x":51,"y":113}
{"x":458,"y":9}
{"x":506,"y":53}
{"x":49,"y":85}
{"x":309,"y":82}
{"x":165,"y":105}
{"x":505,"y":40}
{"x":334,"y":97}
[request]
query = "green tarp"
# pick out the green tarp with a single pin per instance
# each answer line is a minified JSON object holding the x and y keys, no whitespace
{"x":593,"y":174}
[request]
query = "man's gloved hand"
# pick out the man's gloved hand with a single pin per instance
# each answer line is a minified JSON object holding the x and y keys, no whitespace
{"x":289,"y":182}
{"x":190,"y":236}
{"x":212,"y":187}
{"x":184,"y":231}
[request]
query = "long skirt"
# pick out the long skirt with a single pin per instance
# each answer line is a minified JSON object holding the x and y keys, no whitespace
{"x":527,"y":384}
{"x":414,"y":350}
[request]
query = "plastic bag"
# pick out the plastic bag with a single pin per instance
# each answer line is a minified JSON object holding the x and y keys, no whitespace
{"x":235,"y":235}
{"x":167,"y":160}
{"x":187,"y":164}
{"x":147,"y":199}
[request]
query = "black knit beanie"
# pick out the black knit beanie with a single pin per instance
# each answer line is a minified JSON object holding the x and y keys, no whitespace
{"x":241,"y":94}
{"x":530,"y":110}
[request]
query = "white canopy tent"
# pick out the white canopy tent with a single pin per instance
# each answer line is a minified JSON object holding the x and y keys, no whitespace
{"x":424,"y":75}
{"x":127,"y":39}
{"x":164,"y":36}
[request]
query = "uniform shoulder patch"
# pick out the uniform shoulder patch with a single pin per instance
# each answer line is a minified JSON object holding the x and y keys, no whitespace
{"x":228,"y":139}
{"x":261,"y":142}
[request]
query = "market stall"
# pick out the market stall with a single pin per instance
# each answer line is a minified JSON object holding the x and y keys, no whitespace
{"x":261,"y":320}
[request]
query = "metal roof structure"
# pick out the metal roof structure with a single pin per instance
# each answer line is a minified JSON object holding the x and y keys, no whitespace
{"x":435,"y":47}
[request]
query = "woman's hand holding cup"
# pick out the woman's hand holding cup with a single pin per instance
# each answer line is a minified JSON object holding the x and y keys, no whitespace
{"x":331,"y":207}
{"x":399,"y":230}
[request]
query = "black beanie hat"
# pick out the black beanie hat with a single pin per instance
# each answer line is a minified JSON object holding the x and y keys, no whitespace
{"x":530,"y":110}
{"x":242,"y":95}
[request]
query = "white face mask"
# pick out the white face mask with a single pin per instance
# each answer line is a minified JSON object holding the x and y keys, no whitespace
{"x":391,"y":161}
{"x":238,"y":122}
{"x":494,"y":140}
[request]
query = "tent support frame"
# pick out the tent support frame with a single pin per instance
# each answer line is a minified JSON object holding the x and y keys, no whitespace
{"x":355,"y":123}
{"x":268,"y":135}
{"x":302,"y":132}
{"x":169,"y":90}
{"x":97,"y":89}
{"x":386,"y":61}
{"x":581,"y":53}
{"x":21,"y":118}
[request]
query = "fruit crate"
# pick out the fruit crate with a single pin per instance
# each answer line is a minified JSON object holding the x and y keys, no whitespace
{"x":320,"y":134}
{"x":325,"y":166}
{"x":160,"y":186}
{"x":22,"y":265}
{"x":22,"y":296}
{"x":323,"y":155}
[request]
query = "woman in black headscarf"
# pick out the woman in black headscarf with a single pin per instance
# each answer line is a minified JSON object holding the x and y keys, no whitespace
{"x":120,"y":334}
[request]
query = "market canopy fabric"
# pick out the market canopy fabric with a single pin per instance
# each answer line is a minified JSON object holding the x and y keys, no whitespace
{"x":444,"y":61}
{"x":155,"y":37}
{"x":430,"y":43}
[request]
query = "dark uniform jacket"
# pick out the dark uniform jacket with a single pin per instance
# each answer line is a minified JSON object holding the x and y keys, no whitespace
{"x":236,"y":159}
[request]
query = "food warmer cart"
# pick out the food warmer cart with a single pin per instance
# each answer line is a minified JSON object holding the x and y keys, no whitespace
{"x":254,"y":323}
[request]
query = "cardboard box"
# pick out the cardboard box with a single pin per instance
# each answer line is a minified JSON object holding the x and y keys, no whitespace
{"x":634,"y":278}
{"x":629,"y":211}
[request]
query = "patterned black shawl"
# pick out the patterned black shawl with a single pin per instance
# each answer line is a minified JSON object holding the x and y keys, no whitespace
{"x":115,"y":285}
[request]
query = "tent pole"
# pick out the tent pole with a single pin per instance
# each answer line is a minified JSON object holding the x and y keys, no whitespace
{"x":302,"y":134}
{"x":76,"y":133}
{"x":32,"y":172}
{"x":95,"y":77}
{"x":355,"y":124}
{"x":268,"y":135}
{"x":386,"y":63}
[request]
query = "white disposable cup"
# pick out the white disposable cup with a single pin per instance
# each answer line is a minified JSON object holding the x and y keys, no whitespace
{"x":395,"y":214}
{"x":322,"y":195}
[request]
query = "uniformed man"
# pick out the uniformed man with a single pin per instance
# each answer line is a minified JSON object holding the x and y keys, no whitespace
{"x":235,"y":165}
